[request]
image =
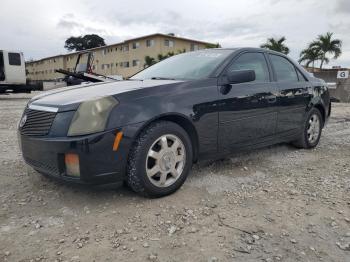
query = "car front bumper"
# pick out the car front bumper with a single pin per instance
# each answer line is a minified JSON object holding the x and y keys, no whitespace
{"x":99,"y":163}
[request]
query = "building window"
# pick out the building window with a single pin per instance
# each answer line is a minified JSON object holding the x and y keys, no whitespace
{"x":194,"y":47}
{"x":135,"y":62}
{"x":169,"y":43}
{"x":105,"y":66}
{"x":104,"y":51}
{"x":150,"y":42}
{"x":135,"y":45}
{"x":126,"y":64}
{"x":15,"y":59}
{"x":126,"y":48}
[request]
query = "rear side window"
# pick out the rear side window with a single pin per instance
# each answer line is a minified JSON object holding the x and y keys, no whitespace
{"x":252,"y":61}
{"x":285,"y":70}
{"x":15,"y":59}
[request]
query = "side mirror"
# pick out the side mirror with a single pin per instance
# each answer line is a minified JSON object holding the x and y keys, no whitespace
{"x":240,"y":76}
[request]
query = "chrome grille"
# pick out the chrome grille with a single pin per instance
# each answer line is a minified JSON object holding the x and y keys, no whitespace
{"x":38,"y":123}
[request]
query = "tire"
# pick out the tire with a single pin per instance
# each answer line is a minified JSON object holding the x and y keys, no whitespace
{"x":154,"y":154}
{"x":310,"y":138}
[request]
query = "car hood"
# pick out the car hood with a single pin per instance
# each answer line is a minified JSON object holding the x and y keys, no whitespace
{"x":67,"y":98}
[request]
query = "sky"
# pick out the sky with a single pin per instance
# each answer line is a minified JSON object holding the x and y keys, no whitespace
{"x":39,"y":28}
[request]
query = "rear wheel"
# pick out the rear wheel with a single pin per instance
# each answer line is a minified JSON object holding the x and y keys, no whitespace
{"x":160,"y":160}
{"x":312,"y":129}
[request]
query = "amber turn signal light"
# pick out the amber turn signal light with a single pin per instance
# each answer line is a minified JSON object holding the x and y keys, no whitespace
{"x":117,"y":140}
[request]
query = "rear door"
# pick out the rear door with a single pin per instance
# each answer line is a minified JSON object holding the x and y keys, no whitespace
{"x":293,"y":96}
{"x":247,"y":112}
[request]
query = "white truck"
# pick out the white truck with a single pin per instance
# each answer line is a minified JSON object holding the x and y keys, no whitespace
{"x":13,"y":72}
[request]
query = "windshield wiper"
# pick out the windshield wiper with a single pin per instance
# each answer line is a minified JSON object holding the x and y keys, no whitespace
{"x":161,"y":78}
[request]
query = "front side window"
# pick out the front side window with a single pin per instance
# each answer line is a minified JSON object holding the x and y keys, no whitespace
{"x":285,"y":70}
{"x":252,"y":61}
{"x":192,"y":65}
{"x":15,"y":59}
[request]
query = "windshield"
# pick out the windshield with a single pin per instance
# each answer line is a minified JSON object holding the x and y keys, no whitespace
{"x":191,"y":65}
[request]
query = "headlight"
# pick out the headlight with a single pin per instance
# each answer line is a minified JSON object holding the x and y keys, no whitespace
{"x":91,"y":116}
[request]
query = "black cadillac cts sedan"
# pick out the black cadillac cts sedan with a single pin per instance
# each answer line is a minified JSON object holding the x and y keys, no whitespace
{"x":149,"y":129}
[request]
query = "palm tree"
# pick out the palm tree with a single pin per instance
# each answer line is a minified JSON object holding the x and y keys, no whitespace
{"x":326,"y":45}
{"x":310,"y":55}
{"x":276,"y":45}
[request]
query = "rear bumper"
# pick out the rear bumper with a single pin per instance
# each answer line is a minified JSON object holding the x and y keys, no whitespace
{"x":99,"y":163}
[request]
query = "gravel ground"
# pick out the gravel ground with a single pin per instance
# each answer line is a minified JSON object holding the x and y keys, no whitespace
{"x":274,"y":204}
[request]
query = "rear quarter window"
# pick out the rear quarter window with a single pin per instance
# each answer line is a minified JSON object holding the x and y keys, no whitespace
{"x":14,"y":59}
{"x":301,"y":76}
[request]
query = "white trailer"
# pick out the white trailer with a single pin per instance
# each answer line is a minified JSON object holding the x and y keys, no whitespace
{"x":13,"y":72}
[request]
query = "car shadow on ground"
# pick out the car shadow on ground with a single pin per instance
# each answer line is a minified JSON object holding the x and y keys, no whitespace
{"x":233,"y":167}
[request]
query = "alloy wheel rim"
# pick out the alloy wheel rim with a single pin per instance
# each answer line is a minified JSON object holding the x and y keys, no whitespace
{"x":313,"y":130}
{"x":165,"y":160}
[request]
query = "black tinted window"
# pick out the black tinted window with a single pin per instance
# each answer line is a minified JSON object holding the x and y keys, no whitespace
{"x":252,"y":61}
{"x":15,"y":59}
{"x":285,"y":70}
{"x":300,"y":76}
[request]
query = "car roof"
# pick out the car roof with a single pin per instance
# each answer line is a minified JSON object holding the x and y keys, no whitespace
{"x":255,"y":49}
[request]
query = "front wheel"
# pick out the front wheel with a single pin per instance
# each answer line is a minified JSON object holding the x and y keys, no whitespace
{"x":312,"y":129}
{"x":160,"y":160}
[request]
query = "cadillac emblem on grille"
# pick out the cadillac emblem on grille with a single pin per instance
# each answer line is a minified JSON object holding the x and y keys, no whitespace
{"x":23,"y":121}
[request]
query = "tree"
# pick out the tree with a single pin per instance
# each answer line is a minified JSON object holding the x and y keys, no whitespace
{"x":326,"y":45}
{"x":276,"y":45}
{"x":149,"y":61}
{"x":161,"y":57}
{"x":217,"y":45}
{"x":84,"y":42}
{"x":310,"y":55}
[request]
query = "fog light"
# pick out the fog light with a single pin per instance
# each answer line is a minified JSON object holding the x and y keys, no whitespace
{"x":72,"y":165}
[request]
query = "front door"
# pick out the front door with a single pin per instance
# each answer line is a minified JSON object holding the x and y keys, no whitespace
{"x":247,"y":111}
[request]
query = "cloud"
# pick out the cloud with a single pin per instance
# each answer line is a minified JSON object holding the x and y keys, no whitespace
{"x":231,"y":23}
{"x":72,"y":24}
{"x":342,"y":6}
